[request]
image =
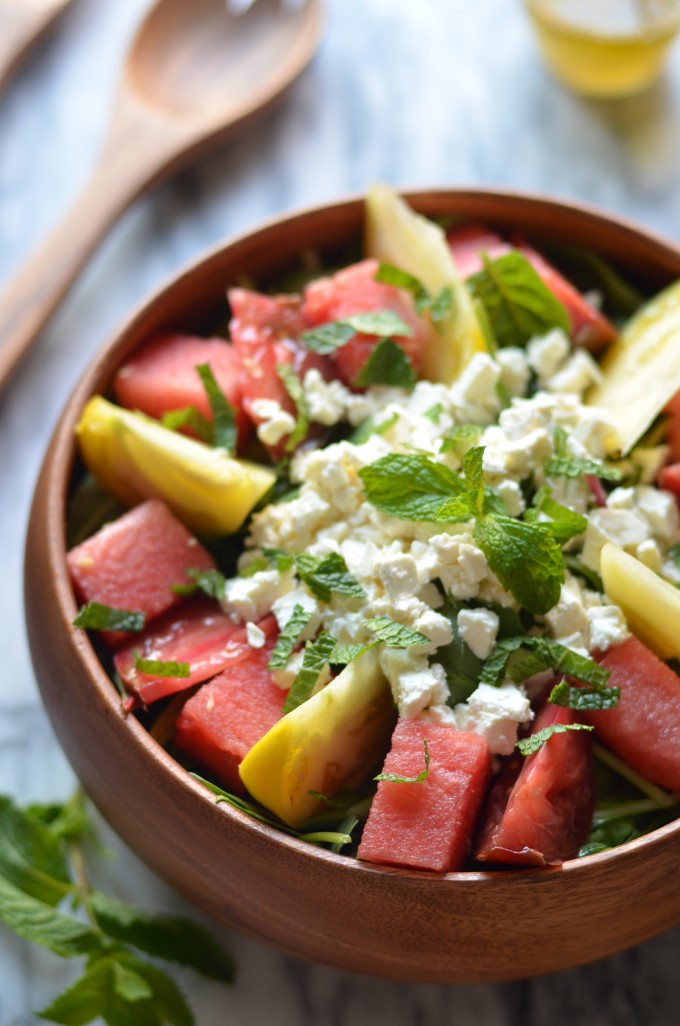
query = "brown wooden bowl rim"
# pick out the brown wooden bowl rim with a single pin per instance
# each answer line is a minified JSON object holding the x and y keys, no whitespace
{"x":59,"y":467}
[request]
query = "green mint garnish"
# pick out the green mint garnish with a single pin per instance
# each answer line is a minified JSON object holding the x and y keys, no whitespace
{"x":211,"y":582}
{"x":328,"y":337}
{"x":97,"y":617}
{"x":255,"y":566}
{"x":189,"y":416}
{"x":289,"y":637}
{"x":575,"y":466}
{"x":439,"y":306}
{"x":410,"y":486}
{"x":544,"y":655}
{"x":387,"y":364}
{"x":224,"y":414}
{"x":316,"y":656}
{"x":393,"y":634}
{"x":580,"y":698}
{"x":434,"y":413}
{"x":577,"y":566}
{"x":370,"y":427}
{"x":562,"y":524}
{"x":323,"y":575}
{"x":529,"y":745}
{"x":161,"y":668}
{"x":461,"y":437}
{"x":344,"y":654}
{"x":525,"y":558}
{"x":293,"y":386}
{"x":517,"y":304}
{"x":396,"y":778}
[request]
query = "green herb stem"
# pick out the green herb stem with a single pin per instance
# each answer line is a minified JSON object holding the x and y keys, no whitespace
{"x":604,"y":813}
{"x":656,"y":794}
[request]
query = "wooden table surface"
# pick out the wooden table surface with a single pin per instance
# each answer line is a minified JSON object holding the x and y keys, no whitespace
{"x":433,"y":93}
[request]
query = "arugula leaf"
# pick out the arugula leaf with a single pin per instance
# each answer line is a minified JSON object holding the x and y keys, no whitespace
{"x":393,"y":634}
{"x":525,"y":558}
{"x":32,"y":857}
{"x":328,"y":337}
{"x":173,"y":938}
{"x":577,"y":566}
{"x":189,"y":416}
{"x":531,"y":744}
{"x":327,"y":575}
{"x":576,"y":466}
{"x":396,"y":778}
{"x":579,"y":698}
{"x":430,"y":485}
{"x":289,"y":636}
{"x":293,"y":386}
{"x":387,"y":364}
{"x":369,"y":427}
{"x":516,"y":302}
{"x":98,"y":617}
{"x":315,"y":657}
{"x":161,"y":668}
{"x":563,"y":524}
{"x":40,"y":923}
{"x":224,"y":414}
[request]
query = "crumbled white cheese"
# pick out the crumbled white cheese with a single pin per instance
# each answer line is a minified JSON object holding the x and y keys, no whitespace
{"x":255,"y":635}
{"x":660,"y":510}
{"x":251,"y":598}
{"x":283,"y":608}
{"x":607,"y":627}
{"x":327,"y":401}
{"x":495,"y":713}
{"x":416,"y":683}
{"x":623,"y":528}
{"x":576,"y":375}
{"x":649,"y":553}
{"x":546,"y":353}
{"x":515,"y":370}
{"x":276,"y":422}
{"x":478,"y":629}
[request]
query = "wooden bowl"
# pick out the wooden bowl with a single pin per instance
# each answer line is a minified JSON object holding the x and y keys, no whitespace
{"x":458,"y":927}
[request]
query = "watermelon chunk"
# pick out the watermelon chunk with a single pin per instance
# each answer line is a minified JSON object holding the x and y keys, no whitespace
{"x":265,"y":331}
{"x":589,"y":327}
{"x":540,"y":810}
{"x":198,"y":633}
{"x":224,"y":719}
{"x":134,"y":562}
{"x":161,"y":376}
{"x":428,"y":825}
{"x":644,"y":727}
{"x":355,"y":290}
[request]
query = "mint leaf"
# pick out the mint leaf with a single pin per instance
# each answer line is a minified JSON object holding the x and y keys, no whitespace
{"x":378,"y":322}
{"x":211,"y":582}
{"x":293,"y":386}
{"x":289,"y":636}
{"x":410,"y":486}
{"x":581,"y":698}
{"x":315,"y":657}
{"x":32,"y":857}
{"x":387,"y":364}
{"x":255,"y":566}
{"x":545,"y":655}
{"x":461,"y":437}
{"x":396,"y":778}
{"x":344,"y":654}
{"x":64,"y":820}
{"x":393,"y":634}
{"x":577,"y":566}
{"x":327,"y":575}
{"x":439,"y":306}
{"x":189,"y":416}
{"x":517,"y":304}
{"x":328,"y":337}
{"x":279,"y":559}
{"x":172,"y":938}
{"x":563,"y":523}
{"x":40,"y":923}
{"x":159,"y":668}
{"x":370,"y":427}
{"x":97,"y":617}
{"x":434,"y":413}
{"x":224,"y":414}
{"x":525,"y":558}
{"x":576,"y":466}
{"x":531,"y":744}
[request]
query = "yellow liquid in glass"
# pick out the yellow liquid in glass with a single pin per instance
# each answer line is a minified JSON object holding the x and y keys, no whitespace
{"x":605,"y":48}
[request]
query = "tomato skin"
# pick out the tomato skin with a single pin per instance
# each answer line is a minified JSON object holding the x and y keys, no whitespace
{"x":161,"y":376}
{"x":589,"y":327}
{"x":644,"y":727}
{"x":543,"y":817}
{"x":355,"y":290}
{"x":669,"y":478}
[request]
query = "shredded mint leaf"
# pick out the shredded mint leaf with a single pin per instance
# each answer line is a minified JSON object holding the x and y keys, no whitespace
{"x":224,"y":414}
{"x":579,"y":698}
{"x":529,"y":745}
{"x":439,"y":306}
{"x":172,"y":938}
{"x":563,"y":523}
{"x":434,"y":413}
{"x":516,"y":302}
{"x":525,"y":559}
{"x":370,"y":427}
{"x":393,"y":634}
{"x":254,"y":567}
{"x":315,"y":657}
{"x":344,"y":654}
{"x":159,"y":668}
{"x":97,"y":617}
{"x":289,"y":637}
{"x":279,"y":559}
{"x":575,"y":466}
{"x":461,"y":437}
{"x":189,"y":416}
{"x":40,"y":923}
{"x":211,"y":582}
{"x":410,"y":486}
{"x":577,"y":566}
{"x":545,"y":655}
{"x":327,"y":575}
{"x":387,"y":364}
{"x":396,"y":778}
{"x":293,"y":386}
{"x":328,"y":337}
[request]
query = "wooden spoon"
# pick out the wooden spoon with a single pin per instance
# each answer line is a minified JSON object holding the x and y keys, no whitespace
{"x":194,"y":72}
{"x":22,"y":23}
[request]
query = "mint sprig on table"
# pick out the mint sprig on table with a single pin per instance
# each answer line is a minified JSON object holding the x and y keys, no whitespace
{"x":525,"y":557}
{"x":47,"y":899}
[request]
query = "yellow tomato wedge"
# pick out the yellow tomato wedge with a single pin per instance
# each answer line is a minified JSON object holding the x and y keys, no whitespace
{"x":331,"y":741}
{"x":135,"y":458}
{"x":642,"y":368}
{"x":396,"y":235}
{"x":650,"y":604}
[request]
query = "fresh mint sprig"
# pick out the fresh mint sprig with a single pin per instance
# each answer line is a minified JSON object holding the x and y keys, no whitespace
{"x":544,"y":654}
{"x":387,"y":364}
{"x":42,"y":868}
{"x":323,"y":575}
